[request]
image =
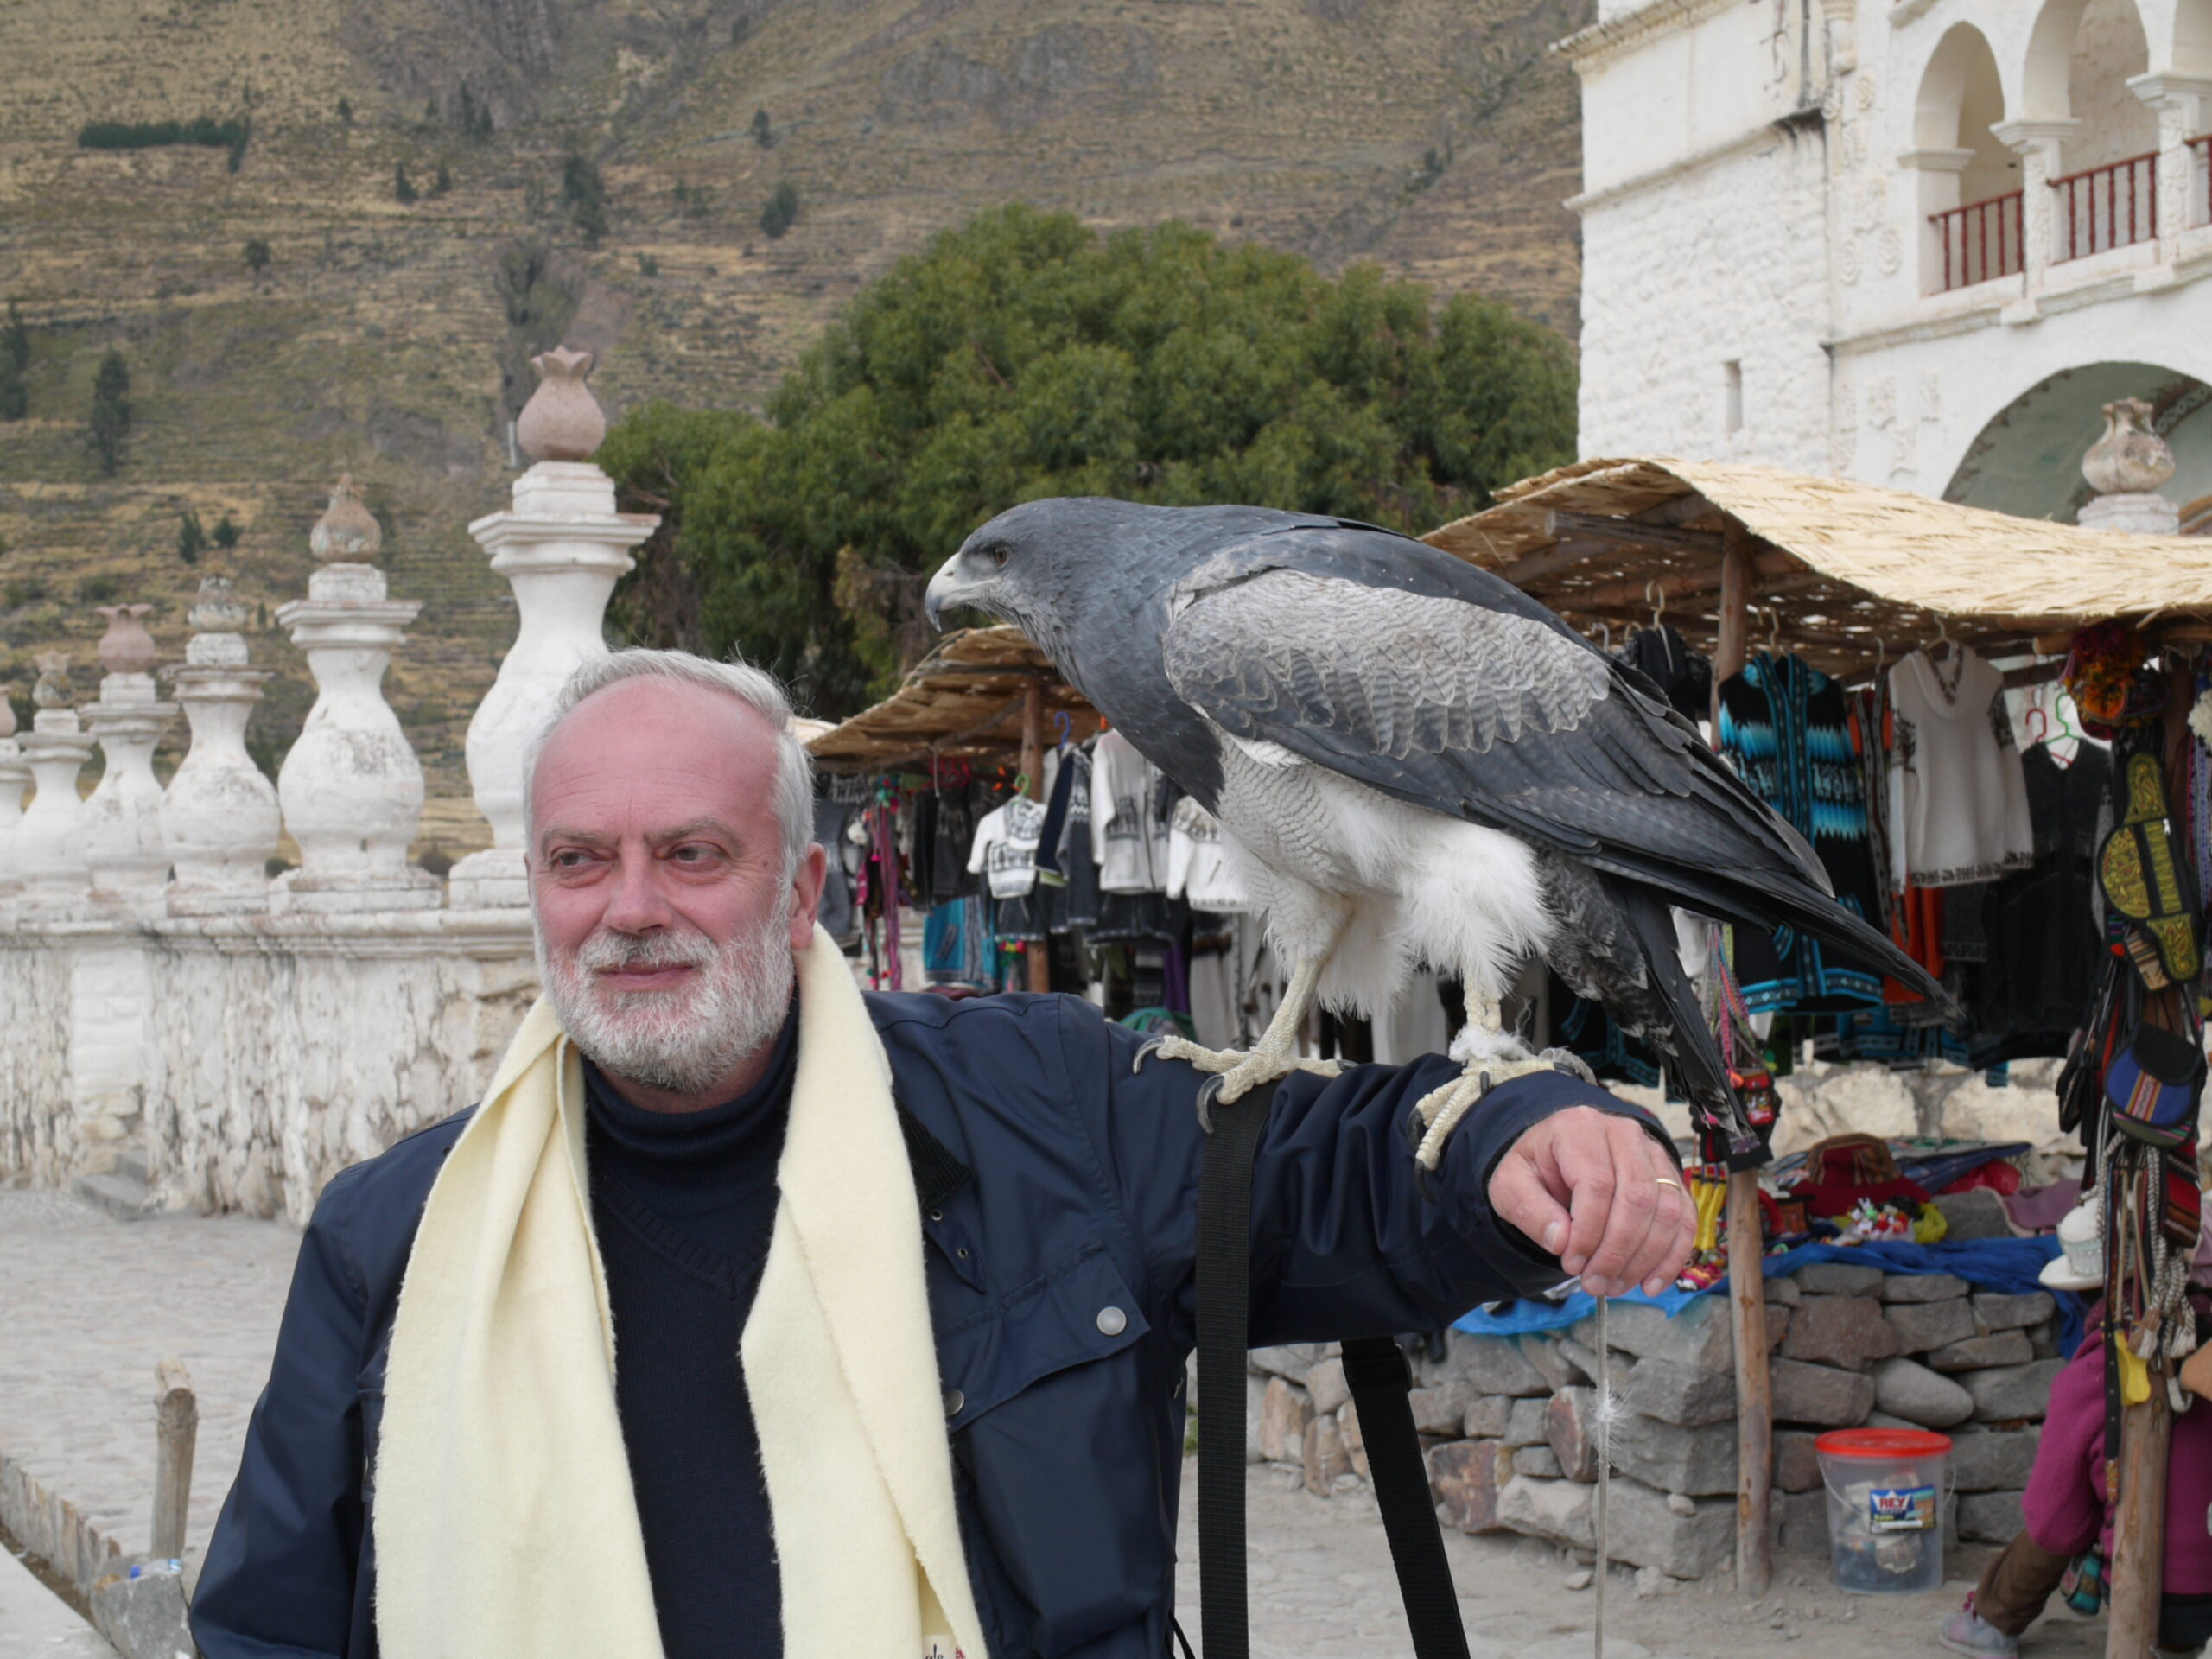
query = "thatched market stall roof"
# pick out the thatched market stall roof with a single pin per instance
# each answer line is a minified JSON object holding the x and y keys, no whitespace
{"x":1848,"y":572}
{"x":965,"y":700}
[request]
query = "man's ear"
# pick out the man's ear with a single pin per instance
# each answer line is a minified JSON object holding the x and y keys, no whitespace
{"x":806,"y":893}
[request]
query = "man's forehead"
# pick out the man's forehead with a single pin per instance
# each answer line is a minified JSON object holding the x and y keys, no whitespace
{"x":640,"y":740}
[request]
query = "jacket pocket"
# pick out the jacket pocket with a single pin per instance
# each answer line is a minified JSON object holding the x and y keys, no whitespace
{"x":1081,"y":1310}
{"x":1060,"y":1426}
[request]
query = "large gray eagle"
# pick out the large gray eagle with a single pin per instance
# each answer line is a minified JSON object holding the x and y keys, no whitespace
{"x":1413,"y":762}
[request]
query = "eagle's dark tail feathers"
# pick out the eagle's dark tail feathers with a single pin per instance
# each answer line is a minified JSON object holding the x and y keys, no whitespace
{"x":1693,"y":1055}
{"x":1770,"y":899}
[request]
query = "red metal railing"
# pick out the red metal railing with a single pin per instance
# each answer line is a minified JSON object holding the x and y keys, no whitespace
{"x":2200,"y":186}
{"x":2108,"y":206}
{"x":1980,"y":240}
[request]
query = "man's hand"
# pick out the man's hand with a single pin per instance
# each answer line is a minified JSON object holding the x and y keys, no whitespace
{"x":1600,"y":1194}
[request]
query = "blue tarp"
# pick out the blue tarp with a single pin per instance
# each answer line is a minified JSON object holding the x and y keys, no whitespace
{"x":2000,"y":1264}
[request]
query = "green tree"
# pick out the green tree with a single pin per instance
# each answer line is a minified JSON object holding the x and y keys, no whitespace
{"x":763,"y":134}
{"x":583,"y":194}
{"x":226,"y":533}
{"x":257,"y":255}
{"x":782,"y":211}
{"x":110,"y":423}
{"x":1023,"y":356}
{"x":345,"y":112}
{"x":191,"y":539}
{"x":443,"y":182}
{"x":402,"y":188}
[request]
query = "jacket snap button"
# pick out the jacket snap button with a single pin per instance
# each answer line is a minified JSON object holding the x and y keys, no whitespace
{"x":1112,"y":1321}
{"x":954,"y":1400}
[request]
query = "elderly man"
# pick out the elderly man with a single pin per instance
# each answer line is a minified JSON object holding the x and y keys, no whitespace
{"x":750,"y":1315}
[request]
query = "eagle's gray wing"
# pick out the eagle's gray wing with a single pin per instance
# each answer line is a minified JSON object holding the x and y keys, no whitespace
{"x":1501,"y":718}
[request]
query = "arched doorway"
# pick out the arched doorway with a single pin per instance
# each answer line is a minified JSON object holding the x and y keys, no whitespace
{"x":2081,"y":57}
{"x":2027,"y":461}
{"x":1969,"y":183}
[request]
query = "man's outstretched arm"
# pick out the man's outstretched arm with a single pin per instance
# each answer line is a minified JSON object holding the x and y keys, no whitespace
{"x":1548,"y":1177}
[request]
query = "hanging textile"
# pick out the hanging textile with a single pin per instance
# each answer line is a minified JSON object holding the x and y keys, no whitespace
{"x":1197,"y":865}
{"x":2044,"y":944}
{"x":1128,"y":833}
{"x":1958,"y":803}
{"x":1004,"y":854}
{"x":1683,"y":676}
{"x":1786,"y":728}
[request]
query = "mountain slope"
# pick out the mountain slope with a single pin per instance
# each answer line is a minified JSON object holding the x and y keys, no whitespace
{"x":390,"y":337}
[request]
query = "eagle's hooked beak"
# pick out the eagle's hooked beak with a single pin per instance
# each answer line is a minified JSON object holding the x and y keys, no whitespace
{"x":944,"y":589}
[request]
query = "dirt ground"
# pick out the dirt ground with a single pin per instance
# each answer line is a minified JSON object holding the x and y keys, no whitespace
{"x":1322,"y":1588}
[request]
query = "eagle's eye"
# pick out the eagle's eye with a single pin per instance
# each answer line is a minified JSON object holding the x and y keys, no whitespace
{"x":998,"y":556}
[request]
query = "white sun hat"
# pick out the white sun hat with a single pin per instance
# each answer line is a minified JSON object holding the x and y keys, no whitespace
{"x":2080,"y":1263}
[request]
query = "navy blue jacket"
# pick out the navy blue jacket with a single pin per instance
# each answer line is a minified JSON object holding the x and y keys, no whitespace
{"x":1070,"y":1187}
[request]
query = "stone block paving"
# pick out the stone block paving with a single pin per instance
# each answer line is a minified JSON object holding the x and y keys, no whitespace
{"x":89,"y":1306}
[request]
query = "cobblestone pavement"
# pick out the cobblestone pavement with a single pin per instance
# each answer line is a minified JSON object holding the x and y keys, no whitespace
{"x":89,"y":1304}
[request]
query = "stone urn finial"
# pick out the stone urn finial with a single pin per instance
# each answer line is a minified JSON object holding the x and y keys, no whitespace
{"x":561,"y":421}
{"x":2131,"y":458}
{"x":217,"y":609}
{"x":52,"y":689}
{"x":347,"y":533}
{"x":7,"y":716}
{"x":126,"y":647}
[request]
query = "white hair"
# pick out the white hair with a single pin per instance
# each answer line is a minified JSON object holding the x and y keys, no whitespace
{"x":793,"y":793}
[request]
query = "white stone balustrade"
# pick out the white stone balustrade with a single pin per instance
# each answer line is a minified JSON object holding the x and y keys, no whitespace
{"x":563,"y":546}
{"x":219,"y":816}
{"x":49,"y":858}
{"x":121,"y":822}
{"x":15,"y":780}
{"x":350,"y":788}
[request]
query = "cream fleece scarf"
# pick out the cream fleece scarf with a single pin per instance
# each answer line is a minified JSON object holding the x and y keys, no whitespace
{"x":504,"y":1517}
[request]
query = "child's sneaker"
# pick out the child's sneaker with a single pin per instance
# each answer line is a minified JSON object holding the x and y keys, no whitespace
{"x":1969,"y":1633}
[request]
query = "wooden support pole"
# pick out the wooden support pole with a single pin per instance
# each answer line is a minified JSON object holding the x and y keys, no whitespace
{"x":2139,"y":1524}
{"x":1037,"y":953}
{"x":1746,"y":1243}
{"x":176,"y":1432}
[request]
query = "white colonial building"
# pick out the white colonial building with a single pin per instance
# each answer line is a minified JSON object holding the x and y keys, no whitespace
{"x":1918,"y":244}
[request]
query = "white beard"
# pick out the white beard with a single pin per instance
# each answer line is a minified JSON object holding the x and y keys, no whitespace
{"x":683,"y":1041}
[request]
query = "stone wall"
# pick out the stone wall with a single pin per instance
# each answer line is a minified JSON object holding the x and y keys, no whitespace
{"x":1508,"y":1426}
{"x":239,"y":1063}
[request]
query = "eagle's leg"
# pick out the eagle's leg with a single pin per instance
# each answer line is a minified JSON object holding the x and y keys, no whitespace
{"x":1276,"y":1055}
{"x":1491,"y":1055}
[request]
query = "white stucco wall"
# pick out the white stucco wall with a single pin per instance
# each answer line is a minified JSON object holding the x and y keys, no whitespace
{"x":250,"y":1060}
{"x":1800,"y":247}
{"x":1655,"y":347}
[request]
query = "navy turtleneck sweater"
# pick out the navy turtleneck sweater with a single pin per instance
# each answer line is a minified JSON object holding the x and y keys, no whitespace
{"x":684,"y":1204}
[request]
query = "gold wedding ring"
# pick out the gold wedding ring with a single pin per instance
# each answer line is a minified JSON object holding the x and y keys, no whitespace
{"x":1661,"y":1180}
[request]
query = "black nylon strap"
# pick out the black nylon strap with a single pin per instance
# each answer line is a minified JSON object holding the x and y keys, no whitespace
{"x":1376,"y":1370}
{"x":1225,"y":1328}
{"x":1376,"y":1373}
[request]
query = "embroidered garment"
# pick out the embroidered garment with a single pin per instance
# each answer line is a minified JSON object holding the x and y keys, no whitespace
{"x":1199,"y":864}
{"x":1958,"y":804}
{"x":1129,"y":829}
{"x":1786,"y":728}
{"x":1005,"y":853}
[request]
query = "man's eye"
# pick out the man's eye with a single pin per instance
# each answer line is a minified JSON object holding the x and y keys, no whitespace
{"x":569,"y":859}
{"x":691,"y":853}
